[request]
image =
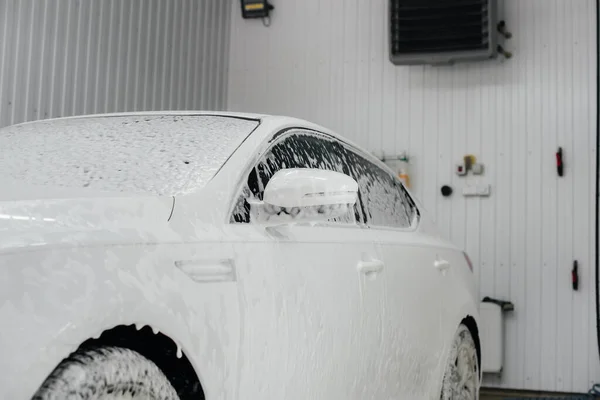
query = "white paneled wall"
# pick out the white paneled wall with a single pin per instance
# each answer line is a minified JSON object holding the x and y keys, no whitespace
{"x":69,"y":57}
{"x":326,"y":61}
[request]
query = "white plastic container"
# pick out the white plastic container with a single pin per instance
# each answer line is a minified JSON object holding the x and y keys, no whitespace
{"x":491,"y":333}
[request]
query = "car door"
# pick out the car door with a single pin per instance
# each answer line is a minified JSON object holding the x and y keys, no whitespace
{"x":415,"y":284}
{"x":305,"y":330}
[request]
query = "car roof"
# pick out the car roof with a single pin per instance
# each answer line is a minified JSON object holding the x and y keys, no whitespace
{"x":270,"y":120}
{"x":251,"y":116}
{"x":154,"y":154}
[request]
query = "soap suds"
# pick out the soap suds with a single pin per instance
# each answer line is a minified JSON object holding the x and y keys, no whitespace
{"x":382,"y":201}
{"x":97,"y":373}
{"x":162,"y":155}
{"x":267,"y":213}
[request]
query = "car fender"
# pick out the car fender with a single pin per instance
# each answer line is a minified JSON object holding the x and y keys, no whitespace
{"x":52,"y":301}
{"x":465,"y":309}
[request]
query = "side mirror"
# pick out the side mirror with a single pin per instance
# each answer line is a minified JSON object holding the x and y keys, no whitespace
{"x":305,"y":195}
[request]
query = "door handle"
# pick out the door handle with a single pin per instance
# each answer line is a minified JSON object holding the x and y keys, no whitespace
{"x":204,"y":271}
{"x":441,"y":265}
{"x":369,"y":267}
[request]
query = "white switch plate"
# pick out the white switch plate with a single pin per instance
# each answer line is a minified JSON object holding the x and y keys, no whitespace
{"x":476,"y":190}
{"x":469,"y":191}
{"x":460,"y":169}
{"x":484,"y":190}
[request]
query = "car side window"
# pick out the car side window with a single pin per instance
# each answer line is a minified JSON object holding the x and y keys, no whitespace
{"x":385,"y":201}
{"x":294,"y":149}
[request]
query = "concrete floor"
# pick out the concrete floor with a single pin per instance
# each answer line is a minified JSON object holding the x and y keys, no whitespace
{"x":492,"y":394}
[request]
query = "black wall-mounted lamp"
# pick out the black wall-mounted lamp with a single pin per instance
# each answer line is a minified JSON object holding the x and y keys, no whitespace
{"x":256,"y":8}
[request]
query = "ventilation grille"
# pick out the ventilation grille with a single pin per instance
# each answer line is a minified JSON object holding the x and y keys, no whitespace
{"x":441,"y":31}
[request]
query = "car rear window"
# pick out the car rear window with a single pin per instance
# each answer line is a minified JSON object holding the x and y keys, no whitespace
{"x":162,"y":155}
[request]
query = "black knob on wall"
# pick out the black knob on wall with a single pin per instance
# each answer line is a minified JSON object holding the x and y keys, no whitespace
{"x":446,"y":190}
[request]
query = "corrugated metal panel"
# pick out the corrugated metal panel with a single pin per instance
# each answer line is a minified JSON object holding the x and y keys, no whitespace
{"x":326,"y":61}
{"x":69,"y":57}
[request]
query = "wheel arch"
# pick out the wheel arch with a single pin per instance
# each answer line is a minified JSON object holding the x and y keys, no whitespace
{"x":471,"y":324}
{"x":158,"y":348}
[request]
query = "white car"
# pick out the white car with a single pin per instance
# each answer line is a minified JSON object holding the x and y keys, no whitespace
{"x":190,"y":255}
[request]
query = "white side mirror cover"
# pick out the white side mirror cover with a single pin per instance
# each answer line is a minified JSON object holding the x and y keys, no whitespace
{"x":310,"y":187}
{"x":304,"y":195}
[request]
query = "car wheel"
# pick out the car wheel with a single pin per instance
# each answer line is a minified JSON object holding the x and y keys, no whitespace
{"x":461,"y":378}
{"x":106,"y":373}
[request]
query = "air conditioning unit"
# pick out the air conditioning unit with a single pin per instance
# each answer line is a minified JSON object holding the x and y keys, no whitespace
{"x":442,"y":31}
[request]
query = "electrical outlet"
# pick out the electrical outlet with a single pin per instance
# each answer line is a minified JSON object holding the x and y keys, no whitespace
{"x":477,"y":169}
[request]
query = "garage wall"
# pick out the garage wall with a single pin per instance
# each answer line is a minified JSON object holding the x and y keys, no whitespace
{"x":326,"y":61}
{"x":69,"y":57}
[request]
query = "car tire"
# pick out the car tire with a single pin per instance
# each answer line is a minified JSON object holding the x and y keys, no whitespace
{"x":462,"y":377}
{"x":106,"y":373}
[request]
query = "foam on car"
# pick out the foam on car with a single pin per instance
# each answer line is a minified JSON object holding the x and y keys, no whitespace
{"x":164,"y":155}
{"x":382,"y":201}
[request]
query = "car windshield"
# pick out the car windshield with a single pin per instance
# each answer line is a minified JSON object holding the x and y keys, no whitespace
{"x":164,"y":155}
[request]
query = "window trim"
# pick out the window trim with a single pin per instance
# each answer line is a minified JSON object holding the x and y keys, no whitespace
{"x":281,"y":135}
{"x":263,"y":149}
{"x":416,"y":220}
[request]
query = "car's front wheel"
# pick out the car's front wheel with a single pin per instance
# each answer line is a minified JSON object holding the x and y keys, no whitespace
{"x":461,"y":378}
{"x":107,"y":373}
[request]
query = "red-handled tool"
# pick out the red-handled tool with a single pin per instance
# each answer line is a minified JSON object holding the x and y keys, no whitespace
{"x":559,"y":161}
